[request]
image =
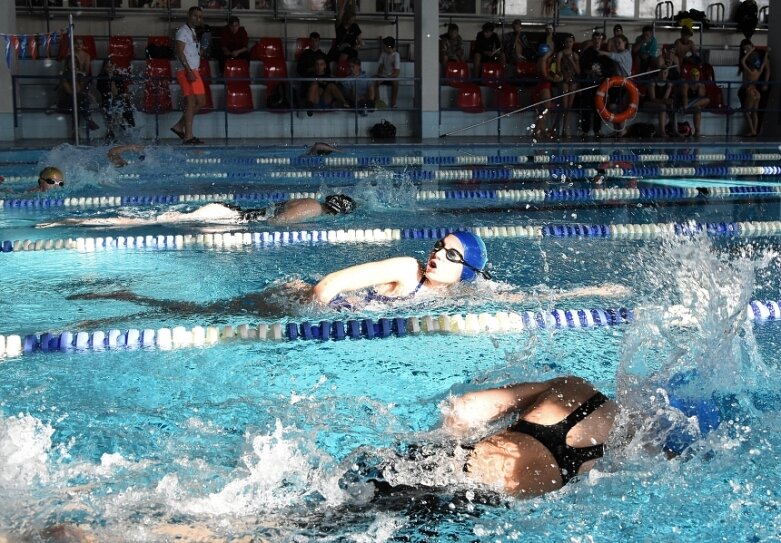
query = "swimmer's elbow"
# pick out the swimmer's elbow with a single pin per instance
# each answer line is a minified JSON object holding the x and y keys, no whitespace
{"x":321,"y":292}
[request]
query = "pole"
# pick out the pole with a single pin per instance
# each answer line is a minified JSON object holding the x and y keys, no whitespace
{"x":74,"y":89}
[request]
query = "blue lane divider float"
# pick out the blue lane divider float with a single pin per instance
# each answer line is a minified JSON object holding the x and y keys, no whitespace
{"x":328,"y":330}
{"x":384,"y":235}
{"x":115,"y":201}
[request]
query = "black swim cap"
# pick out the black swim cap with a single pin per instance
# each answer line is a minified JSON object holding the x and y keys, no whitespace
{"x":339,"y":203}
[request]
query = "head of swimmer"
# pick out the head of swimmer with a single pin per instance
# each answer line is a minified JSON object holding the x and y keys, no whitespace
{"x":460,"y":256}
{"x":50,"y":178}
{"x":339,"y":204}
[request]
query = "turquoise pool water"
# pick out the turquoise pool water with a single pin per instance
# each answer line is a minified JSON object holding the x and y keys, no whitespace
{"x":250,"y":438}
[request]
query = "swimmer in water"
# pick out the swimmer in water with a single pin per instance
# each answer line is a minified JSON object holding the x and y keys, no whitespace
{"x":322,"y":149}
{"x":288,"y":212}
{"x":115,"y":154}
{"x":49,"y":178}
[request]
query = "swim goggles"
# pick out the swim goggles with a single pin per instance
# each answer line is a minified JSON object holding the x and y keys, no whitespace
{"x":50,"y":181}
{"x":455,"y":256}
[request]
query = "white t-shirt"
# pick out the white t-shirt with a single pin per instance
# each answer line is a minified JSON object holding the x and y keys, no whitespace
{"x":192,"y":49}
{"x":388,"y":63}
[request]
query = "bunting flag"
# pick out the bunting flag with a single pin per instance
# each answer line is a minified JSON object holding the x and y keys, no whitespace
{"x":31,"y":46}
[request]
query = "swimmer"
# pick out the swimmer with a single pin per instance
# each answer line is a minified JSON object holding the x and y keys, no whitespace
{"x":115,"y":154}
{"x":322,"y":149}
{"x":528,"y":439}
{"x":49,"y":178}
{"x":288,"y":212}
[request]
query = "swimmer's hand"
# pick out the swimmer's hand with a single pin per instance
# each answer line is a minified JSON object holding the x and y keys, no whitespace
{"x":47,"y":224}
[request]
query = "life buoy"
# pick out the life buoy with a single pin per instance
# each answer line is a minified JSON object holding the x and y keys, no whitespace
{"x":601,"y":98}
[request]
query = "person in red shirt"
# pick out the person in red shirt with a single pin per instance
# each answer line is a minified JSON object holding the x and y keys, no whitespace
{"x":234,"y":42}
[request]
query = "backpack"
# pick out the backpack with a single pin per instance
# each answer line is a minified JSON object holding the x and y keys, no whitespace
{"x":383,"y":130}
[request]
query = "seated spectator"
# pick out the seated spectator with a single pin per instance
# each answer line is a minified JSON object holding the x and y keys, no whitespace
{"x":488,"y":48}
{"x":306,"y":62}
{"x":112,"y":84}
{"x":645,"y":49}
{"x":451,"y":45}
{"x":348,"y":36}
{"x":83,"y":58}
{"x":234,"y":42}
{"x":694,"y":97}
{"x":685,"y":48}
{"x":612,"y":43}
{"x":756,"y":71}
{"x":358,"y":90}
{"x":668,"y":59}
{"x":323,"y":94}
{"x":661,"y":98}
{"x":516,"y":45}
{"x":389,"y":69}
{"x":65,"y":95}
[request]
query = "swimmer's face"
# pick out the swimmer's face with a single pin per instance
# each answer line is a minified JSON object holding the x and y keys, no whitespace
{"x":49,"y":180}
{"x":441,"y":270}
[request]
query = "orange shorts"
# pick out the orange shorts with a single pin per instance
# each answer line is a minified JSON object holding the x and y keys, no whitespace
{"x":190,"y":87}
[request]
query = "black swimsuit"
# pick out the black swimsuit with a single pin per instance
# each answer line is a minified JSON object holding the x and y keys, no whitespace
{"x":554,"y":437}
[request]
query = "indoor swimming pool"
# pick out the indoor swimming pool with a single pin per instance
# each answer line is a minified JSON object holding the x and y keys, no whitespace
{"x":175,"y":382}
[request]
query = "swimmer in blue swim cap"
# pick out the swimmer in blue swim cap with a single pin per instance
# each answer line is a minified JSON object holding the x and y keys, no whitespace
{"x":754,"y":70}
{"x":460,"y":256}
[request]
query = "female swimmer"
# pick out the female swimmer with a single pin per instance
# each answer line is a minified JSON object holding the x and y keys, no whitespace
{"x":49,"y":178}
{"x":288,"y":212}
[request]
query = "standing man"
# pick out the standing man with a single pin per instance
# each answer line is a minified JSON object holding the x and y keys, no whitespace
{"x":188,"y":53}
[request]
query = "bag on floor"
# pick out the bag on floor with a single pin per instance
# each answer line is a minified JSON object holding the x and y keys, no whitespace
{"x":641,"y":130}
{"x":383,"y":130}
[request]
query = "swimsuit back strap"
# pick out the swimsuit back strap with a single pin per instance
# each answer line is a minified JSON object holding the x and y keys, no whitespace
{"x":586,"y":408}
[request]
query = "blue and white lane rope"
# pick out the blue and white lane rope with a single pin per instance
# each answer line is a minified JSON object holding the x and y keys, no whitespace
{"x":327,"y":330}
{"x":467,"y":159}
{"x":499,"y":195}
{"x":384,"y":235}
{"x":116,"y":201}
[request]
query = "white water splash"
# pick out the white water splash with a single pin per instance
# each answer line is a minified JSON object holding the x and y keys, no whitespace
{"x":25,"y":445}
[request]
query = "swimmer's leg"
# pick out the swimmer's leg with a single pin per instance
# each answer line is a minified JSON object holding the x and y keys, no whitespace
{"x":173,"y":306}
{"x":213,"y":212}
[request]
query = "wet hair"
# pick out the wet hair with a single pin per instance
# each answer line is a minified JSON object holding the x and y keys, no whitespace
{"x":488,"y":27}
{"x":617,"y":27}
{"x":475,"y":253}
{"x":314,"y":35}
{"x":49,"y":171}
{"x":339,"y":204}
{"x":193,"y":10}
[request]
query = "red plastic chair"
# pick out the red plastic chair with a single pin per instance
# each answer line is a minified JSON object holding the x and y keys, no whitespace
{"x":206,"y":74}
{"x":506,"y":97}
{"x":470,"y":99}
{"x":302,"y":44}
{"x":526,"y":69}
{"x":238,"y":93}
{"x":343,"y":68}
{"x":162,"y":41}
{"x":268,"y":48}
{"x":274,"y":68}
{"x":491,"y":74}
{"x":120,"y":46}
{"x":456,"y":73}
{"x":89,"y":46}
{"x":157,"y":89}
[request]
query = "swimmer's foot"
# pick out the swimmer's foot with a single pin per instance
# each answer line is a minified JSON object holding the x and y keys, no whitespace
{"x":178,"y":131}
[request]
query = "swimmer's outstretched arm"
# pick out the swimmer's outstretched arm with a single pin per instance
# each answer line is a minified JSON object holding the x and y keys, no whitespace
{"x":115,"y":153}
{"x":393,"y":270}
{"x":476,"y":409}
{"x":299,"y":210}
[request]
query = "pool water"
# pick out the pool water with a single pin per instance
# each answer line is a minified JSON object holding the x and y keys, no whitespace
{"x":252,"y":439}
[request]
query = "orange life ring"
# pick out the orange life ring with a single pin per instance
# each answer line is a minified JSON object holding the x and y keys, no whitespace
{"x":601,"y":97}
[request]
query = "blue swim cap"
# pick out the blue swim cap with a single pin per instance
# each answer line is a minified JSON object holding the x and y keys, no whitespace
{"x":475,"y":253}
{"x":705,"y":409}
{"x":543,"y":48}
{"x":755,"y":62}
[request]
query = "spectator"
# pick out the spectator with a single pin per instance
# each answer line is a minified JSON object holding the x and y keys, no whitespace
{"x":543,"y":92}
{"x":389,"y":68}
{"x":65,"y":95}
{"x":668,"y":59}
{"x":550,"y":36}
{"x":621,"y":56}
{"x":451,"y":45}
{"x":306,"y":62}
{"x":516,"y":45}
{"x":83,"y":58}
{"x":755,"y":69}
{"x":234,"y":42}
{"x":694,"y":97}
{"x":612,"y":44}
{"x":568,"y":64}
{"x":348,"y":36}
{"x":112,"y":84}
{"x":488,"y":48}
{"x":188,"y":53}
{"x":358,"y":90}
{"x":661,"y":97}
{"x":592,"y":72}
{"x":323,"y":94}
{"x":685,"y":48}
{"x":645,"y":49}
